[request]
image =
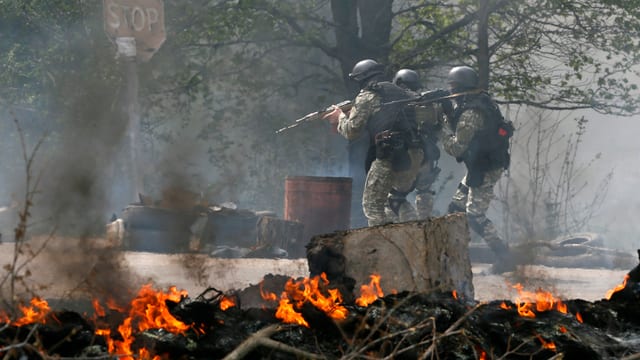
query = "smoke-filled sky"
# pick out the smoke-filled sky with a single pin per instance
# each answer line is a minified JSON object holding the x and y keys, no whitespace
{"x":617,"y":139}
{"x":83,"y":182}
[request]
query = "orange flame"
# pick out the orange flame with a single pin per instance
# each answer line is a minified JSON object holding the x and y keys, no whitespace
{"x":370,"y":293}
{"x":35,"y":313}
{"x":269,"y":296}
{"x":546,"y":344}
{"x":146,"y":354}
{"x":111,"y":304}
{"x":288,"y":314}
{"x":226,"y":303}
{"x":525,"y":309}
{"x":579,"y":317}
{"x":617,"y":288}
{"x":148,"y":310}
{"x":483,"y":355}
{"x":103,"y":332}
{"x":563,"y":329}
{"x":297,"y":293}
{"x":543,"y":300}
{"x":152,"y":312}
{"x":504,"y":306}
{"x":99,"y":310}
{"x":562,"y":307}
{"x":454,"y":293}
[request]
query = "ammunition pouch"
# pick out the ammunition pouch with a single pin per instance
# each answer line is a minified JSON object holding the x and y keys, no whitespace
{"x":387,"y":142}
{"x":393,"y":146}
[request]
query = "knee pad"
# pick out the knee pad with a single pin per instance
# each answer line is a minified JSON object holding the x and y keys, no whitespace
{"x":395,"y":203}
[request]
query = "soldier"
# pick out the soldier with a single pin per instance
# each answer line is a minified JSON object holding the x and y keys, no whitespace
{"x":480,"y":139}
{"x":395,"y":151}
{"x":429,"y":119}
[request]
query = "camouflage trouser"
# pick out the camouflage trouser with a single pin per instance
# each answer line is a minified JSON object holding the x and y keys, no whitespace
{"x":398,"y":209}
{"x":381,"y":179}
{"x":424,"y":195}
{"x":475,"y":202}
{"x":404,"y":211}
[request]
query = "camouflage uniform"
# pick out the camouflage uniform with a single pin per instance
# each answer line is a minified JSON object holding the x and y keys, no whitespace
{"x":474,"y":200}
{"x":429,"y":118}
{"x":381,"y":177}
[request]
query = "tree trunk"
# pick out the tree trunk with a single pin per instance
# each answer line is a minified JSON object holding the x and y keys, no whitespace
{"x":370,"y":41}
{"x":417,"y":256}
{"x":483,"y":56}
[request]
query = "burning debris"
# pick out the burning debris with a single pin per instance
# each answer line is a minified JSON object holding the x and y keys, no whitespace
{"x":184,"y":222}
{"x":309,"y":318}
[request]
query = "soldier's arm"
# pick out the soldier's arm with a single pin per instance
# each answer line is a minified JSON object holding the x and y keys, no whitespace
{"x":351,"y":126}
{"x":470,"y":122}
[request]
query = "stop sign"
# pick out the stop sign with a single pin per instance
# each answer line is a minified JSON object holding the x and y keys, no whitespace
{"x":140,"y":19}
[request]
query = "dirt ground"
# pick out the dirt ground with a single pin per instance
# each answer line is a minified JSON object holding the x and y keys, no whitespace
{"x":71,"y":269}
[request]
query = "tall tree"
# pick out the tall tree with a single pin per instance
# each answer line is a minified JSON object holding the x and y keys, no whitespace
{"x":243,"y":61}
{"x":550,"y":54}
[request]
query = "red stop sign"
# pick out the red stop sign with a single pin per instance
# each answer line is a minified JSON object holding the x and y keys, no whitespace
{"x":140,"y":19}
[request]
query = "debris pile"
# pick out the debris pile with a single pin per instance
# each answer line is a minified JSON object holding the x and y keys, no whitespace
{"x":306,"y":318}
{"x":184,"y":222}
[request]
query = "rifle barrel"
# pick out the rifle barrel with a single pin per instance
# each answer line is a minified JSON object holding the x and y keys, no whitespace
{"x":344,"y":105}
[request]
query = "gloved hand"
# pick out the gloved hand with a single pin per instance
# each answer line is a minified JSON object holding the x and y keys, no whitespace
{"x":333,"y":117}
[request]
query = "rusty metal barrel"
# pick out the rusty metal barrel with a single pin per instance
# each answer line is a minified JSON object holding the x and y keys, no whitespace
{"x":321,"y":204}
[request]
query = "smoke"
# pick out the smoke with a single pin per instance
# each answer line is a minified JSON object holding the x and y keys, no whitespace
{"x":85,"y":163}
{"x":78,"y":172}
{"x":82,"y":160}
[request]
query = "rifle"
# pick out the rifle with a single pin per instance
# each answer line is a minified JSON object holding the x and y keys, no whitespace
{"x":429,"y":97}
{"x":344,"y":106}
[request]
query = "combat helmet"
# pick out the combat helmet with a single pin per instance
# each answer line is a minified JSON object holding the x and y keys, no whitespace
{"x":462,"y":78}
{"x":365,"y":69}
{"x":407,"y":78}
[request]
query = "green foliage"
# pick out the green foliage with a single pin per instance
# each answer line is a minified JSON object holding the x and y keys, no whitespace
{"x":551,"y":54}
{"x":47,"y":45}
{"x":231,"y":69}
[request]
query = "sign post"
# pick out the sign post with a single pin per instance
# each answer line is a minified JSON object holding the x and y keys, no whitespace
{"x":140,"y":19}
{"x":137,"y":28}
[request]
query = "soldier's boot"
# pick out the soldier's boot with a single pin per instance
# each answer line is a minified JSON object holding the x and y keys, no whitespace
{"x":505,"y":261}
{"x":458,"y":203}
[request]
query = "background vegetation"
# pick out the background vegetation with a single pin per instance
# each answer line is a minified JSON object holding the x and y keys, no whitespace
{"x":232,"y":72}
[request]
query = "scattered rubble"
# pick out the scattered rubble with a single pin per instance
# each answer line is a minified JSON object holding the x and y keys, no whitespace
{"x":405,"y":325}
{"x":174,"y":225}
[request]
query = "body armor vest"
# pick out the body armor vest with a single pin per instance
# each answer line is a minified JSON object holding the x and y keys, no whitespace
{"x":393,"y":128}
{"x":398,"y":117}
{"x":489,"y":148}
